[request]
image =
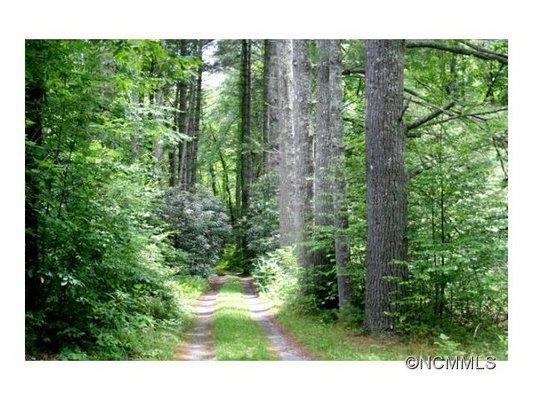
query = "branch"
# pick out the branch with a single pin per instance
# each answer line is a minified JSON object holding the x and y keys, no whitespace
{"x":477,"y":115}
{"x":432,"y":115}
{"x":485,"y":55}
{"x":354,"y":71}
{"x":482,"y":49}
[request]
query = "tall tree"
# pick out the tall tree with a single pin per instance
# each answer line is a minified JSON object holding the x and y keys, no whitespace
{"x":323,"y":201}
{"x":286,"y":143}
{"x":244,"y":165}
{"x":172,"y":154}
{"x":194,"y":103}
{"x":386,"y":181}
{"x":342,"y":248}
{"x":186,"y":151}
{"x":197,"y":118}
{"x":271,"y":103}
{"x":181,"y":113}
{"x":303,"y":184}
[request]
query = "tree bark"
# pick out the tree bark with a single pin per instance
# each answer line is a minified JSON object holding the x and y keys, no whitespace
{"x":173,"y":150}
{"x":182,"y":116}
{"x":245,"y":164}
{"x":286,"y":143}
{"x":303,"y":145}
{"x":186,"y":154}
{"x":386,"y":181}
{"x":197,"y":120}
{"x":342,"y":248}
{"x":271,"y":104}
{"x":323,"y":207}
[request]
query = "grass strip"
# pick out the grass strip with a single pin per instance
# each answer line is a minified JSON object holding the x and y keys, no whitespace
{"x":237,"y":336}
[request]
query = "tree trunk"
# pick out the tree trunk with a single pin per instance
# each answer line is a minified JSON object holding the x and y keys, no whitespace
{"x":342,"y":248}
{"x":197,"y":119}
{"x":323,"y":210}
{"x":185,"y":173}
{"x":213,"y":180}
{"x":245,"y":167}
{"x":286,"y":143}
{"x":227,"y":190}
{"x":302,"y":138}
{"x":172,"y":153}
{"x":386,"y":181}
{"x":182,"y":116}
{"x":271,"y":104}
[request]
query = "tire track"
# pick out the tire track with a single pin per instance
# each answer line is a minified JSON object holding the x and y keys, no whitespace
{"x":199,"y":344}
{"x":285,"y":346}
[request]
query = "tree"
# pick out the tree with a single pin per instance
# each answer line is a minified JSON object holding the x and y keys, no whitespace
{"x":270,"y":105}
{"x":386,"y":181}
{"x":181,"y":120}
{"x":331,"y":219}
{"x":303,"y":185}
{"x":323,"y":200}
{"x":172,"y":167}
{"x":286,"y":143}
{"x":244,"y":166}
{"x":342,"y":247}
{"x":197,"y":118}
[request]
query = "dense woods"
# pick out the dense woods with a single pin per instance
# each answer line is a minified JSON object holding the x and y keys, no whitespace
{"x":362,"y":184}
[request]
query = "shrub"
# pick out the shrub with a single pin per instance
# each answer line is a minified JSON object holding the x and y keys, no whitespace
{"x":200,"y":227}
{"x":277,"y":273}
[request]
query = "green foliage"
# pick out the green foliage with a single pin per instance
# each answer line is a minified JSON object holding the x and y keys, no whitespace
{"x":263,"y":234}
{"x":457,"y":232}
{"x":100,"y":286}
{"x":277,"y":274}
{"x":448,"y":347}
{"x":200,"y":227}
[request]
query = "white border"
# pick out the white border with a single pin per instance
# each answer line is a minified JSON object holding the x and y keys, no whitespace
{"x":272,"y":19}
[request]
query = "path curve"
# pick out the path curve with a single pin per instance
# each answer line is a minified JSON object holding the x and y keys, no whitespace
{"x":199,"y":344}
{"x":284,"y":345}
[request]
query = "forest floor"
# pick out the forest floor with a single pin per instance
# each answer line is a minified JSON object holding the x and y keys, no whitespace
{"x":233,"y":323}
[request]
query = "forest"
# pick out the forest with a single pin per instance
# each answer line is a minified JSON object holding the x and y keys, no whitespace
{"x":202,"y":199}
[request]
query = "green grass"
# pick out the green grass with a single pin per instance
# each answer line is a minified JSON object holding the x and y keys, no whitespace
{"x":333,"y":341}
{"x":188,"y":288}
{"x":237,"y":336}
{"x":336,"y":341}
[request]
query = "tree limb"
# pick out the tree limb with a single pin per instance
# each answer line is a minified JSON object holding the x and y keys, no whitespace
{"x":353,"y":71}
{"x":485,"y":55}
{"x":432,"y":115}
{"x":477,"y":115}
{"x":482,"y":49}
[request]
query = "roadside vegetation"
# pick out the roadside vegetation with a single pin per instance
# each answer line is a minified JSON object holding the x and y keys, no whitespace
{"x":334,"y":335}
